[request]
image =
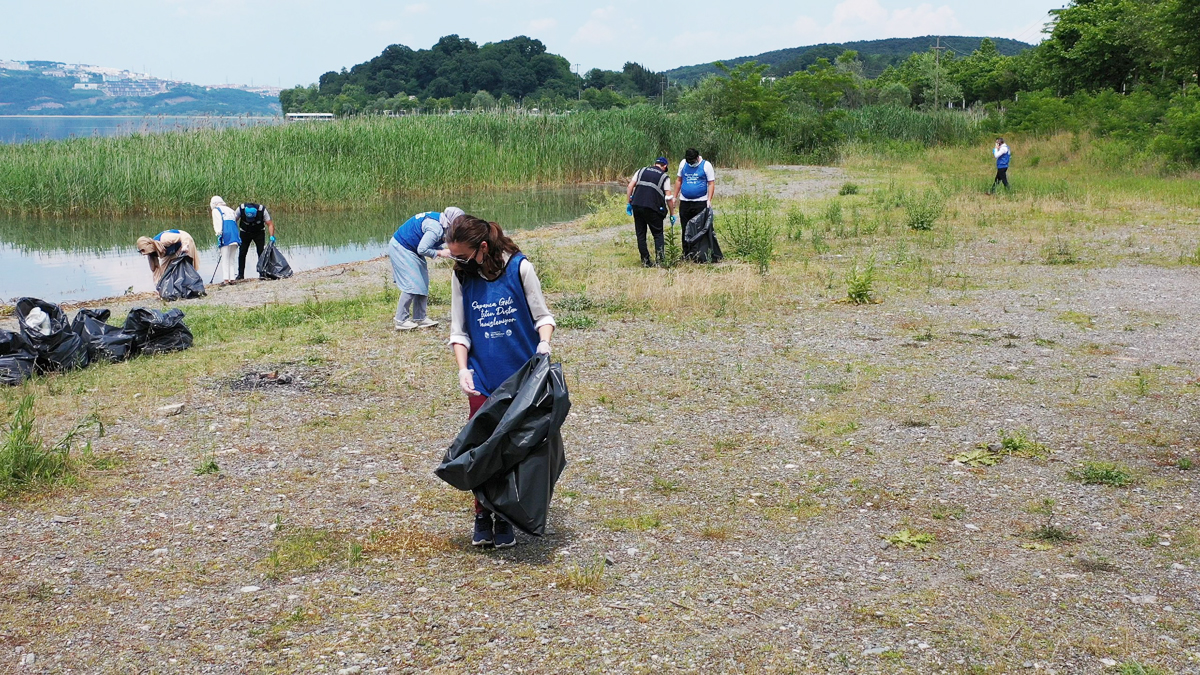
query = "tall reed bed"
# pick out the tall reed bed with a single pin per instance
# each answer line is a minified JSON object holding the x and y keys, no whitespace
{"x":352,"y":163}
{"x":890,"y":123}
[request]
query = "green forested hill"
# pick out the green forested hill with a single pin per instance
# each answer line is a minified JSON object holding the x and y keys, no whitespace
{"x":876,"y":55}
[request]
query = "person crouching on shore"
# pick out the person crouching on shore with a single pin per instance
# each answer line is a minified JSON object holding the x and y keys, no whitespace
{"x":489,"y":346}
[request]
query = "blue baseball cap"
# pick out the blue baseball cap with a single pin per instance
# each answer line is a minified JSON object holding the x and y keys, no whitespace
{"x":661,"y":160}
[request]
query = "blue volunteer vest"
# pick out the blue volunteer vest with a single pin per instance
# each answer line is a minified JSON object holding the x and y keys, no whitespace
{"x":693,"y":182}
{"x":499,"y":324}
{"x":229,"y":228}
{"x":1002,"y":160}
{"x":173,"y":248}
{"x":409,"y":234}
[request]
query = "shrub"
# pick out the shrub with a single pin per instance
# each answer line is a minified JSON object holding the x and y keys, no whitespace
{"x":848,"y":189}
{"x":796,"y":224}
{"x":751,"y":231}
{"x":924,"y":211}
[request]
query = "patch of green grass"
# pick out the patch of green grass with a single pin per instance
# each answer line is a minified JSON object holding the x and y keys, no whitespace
{"x":1102,"y":473}
{"x":304,"y":550}
{"x":1078,"y":318}
{"x":639,"y":523}
{"x":207,"y":466}
{"x":944,"y":511}
{"x":576,"y":321}
{"x":797,"y":223}
{"x":1052,"y":533}
{"x":1019,"y":443}
{"x":907,"y":538}
{"x":848,"y":189}
{"x":666,"y":487}
{"x":27,"y":463}
{"x":1184,"y":464}
{"x":1136,"y":668}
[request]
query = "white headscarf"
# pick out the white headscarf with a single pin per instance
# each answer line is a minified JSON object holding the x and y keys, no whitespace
{"x":449,"y":215}
{"x":215,"y":202}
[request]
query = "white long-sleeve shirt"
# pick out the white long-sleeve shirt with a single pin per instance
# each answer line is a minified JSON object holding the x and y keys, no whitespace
{"x":533,"y":297}
{"x":221,"y":213}
{"x":1000,"y":151}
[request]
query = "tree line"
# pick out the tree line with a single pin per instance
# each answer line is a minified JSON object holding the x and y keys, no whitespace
{"x":1121,"y":68}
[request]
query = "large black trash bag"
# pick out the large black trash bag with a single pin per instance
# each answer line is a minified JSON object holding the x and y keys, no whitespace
{"x":63,"y":348}
{"x":17,"y":358}
{"x":181,"y":281}
{"x":105,"y":342}
{"x":700,"y":238}
{"x":272,"y":264}
{"x":157,"y":332}
{"x":511,"y":453}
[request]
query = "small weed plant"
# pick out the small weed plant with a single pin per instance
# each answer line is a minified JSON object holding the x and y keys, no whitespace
{"x":833,"y":215}
{"x":646,"y":521}
{"x":673,"y":246}
{"x":860,"y":283}
{"x":1047,"y":531}
{"x":1102,"y":473}
{"x":907,"y":538}
{"x":848,"y":189}
{"x":1060,"y":252}
{"x":587,"y":576}
{"x":797,"y":223}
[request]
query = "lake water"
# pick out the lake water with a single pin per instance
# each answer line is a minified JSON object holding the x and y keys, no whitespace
{"x":82,"y":259}
{"x":25,"y":128}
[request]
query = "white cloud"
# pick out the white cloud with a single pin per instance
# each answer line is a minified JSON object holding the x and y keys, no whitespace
{"x":598,"y":29}
{"x":418,"y":8}
{"x":868,"y":19}
{"x":540,"y":25}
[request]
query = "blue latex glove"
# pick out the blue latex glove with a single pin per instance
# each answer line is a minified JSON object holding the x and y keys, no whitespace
{"x":629,"y":209}
{"x":218,"y":241}
{"x":272,"y":239}
{"x":672,"y":220}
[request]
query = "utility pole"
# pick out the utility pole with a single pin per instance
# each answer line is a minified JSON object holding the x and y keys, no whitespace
{"x":576,"y":67}
{"x":937,"y":70}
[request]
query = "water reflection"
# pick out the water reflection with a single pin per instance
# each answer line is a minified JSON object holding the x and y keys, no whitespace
{"x":79,"y":259}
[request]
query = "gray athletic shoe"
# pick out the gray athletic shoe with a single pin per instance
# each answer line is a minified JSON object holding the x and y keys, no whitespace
{"x":406,"y":325}
{"x":426,"y":323}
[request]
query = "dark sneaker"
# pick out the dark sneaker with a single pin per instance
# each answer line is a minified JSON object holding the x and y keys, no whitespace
{"x":483,"y":530}
{"x":504,"y":534}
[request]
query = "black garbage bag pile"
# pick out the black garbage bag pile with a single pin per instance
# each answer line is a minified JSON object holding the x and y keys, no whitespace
{"x":700,"y":239}
{"x":157,"y":332}
{"x":272,"y":264}
{"x":104,"y":342}
{"x":181,"y":281}
{"x":17,"y":358}
{"x":511,"y":453}
{"x":61,"y":346}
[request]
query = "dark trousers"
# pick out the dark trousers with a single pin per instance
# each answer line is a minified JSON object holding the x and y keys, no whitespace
{"x":687,"y":211}
{"x":644,"y":218}
{"x":259,"y":238}
{"x":1001,"y":177}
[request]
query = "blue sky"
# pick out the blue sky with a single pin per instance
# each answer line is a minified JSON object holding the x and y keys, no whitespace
{"x":292,"y":42}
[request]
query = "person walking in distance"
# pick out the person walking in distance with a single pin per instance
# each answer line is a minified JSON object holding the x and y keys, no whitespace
{"x":225,"y":226}
{"x":697,"y":182}
{"x":1002,"y":155}
{"x":650,"y":200}
{"x":499,"y":320}
{"x":254,"y":225}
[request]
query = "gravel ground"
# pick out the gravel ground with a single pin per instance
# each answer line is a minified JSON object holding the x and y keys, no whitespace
{"x":734,"y":474}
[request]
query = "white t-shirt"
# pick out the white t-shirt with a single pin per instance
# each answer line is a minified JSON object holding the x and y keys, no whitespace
{"x":709,"y":175}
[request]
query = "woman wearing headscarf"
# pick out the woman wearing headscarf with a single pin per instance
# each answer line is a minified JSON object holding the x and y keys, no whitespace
{"x":226,"y":228}
{"x":498,"y":321}
{"x":165,"y":247}
{"x":420,"y":237}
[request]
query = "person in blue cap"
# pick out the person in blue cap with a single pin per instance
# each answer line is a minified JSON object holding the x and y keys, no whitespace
{"x":650,"y":200}
{"x":254,"y":225}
